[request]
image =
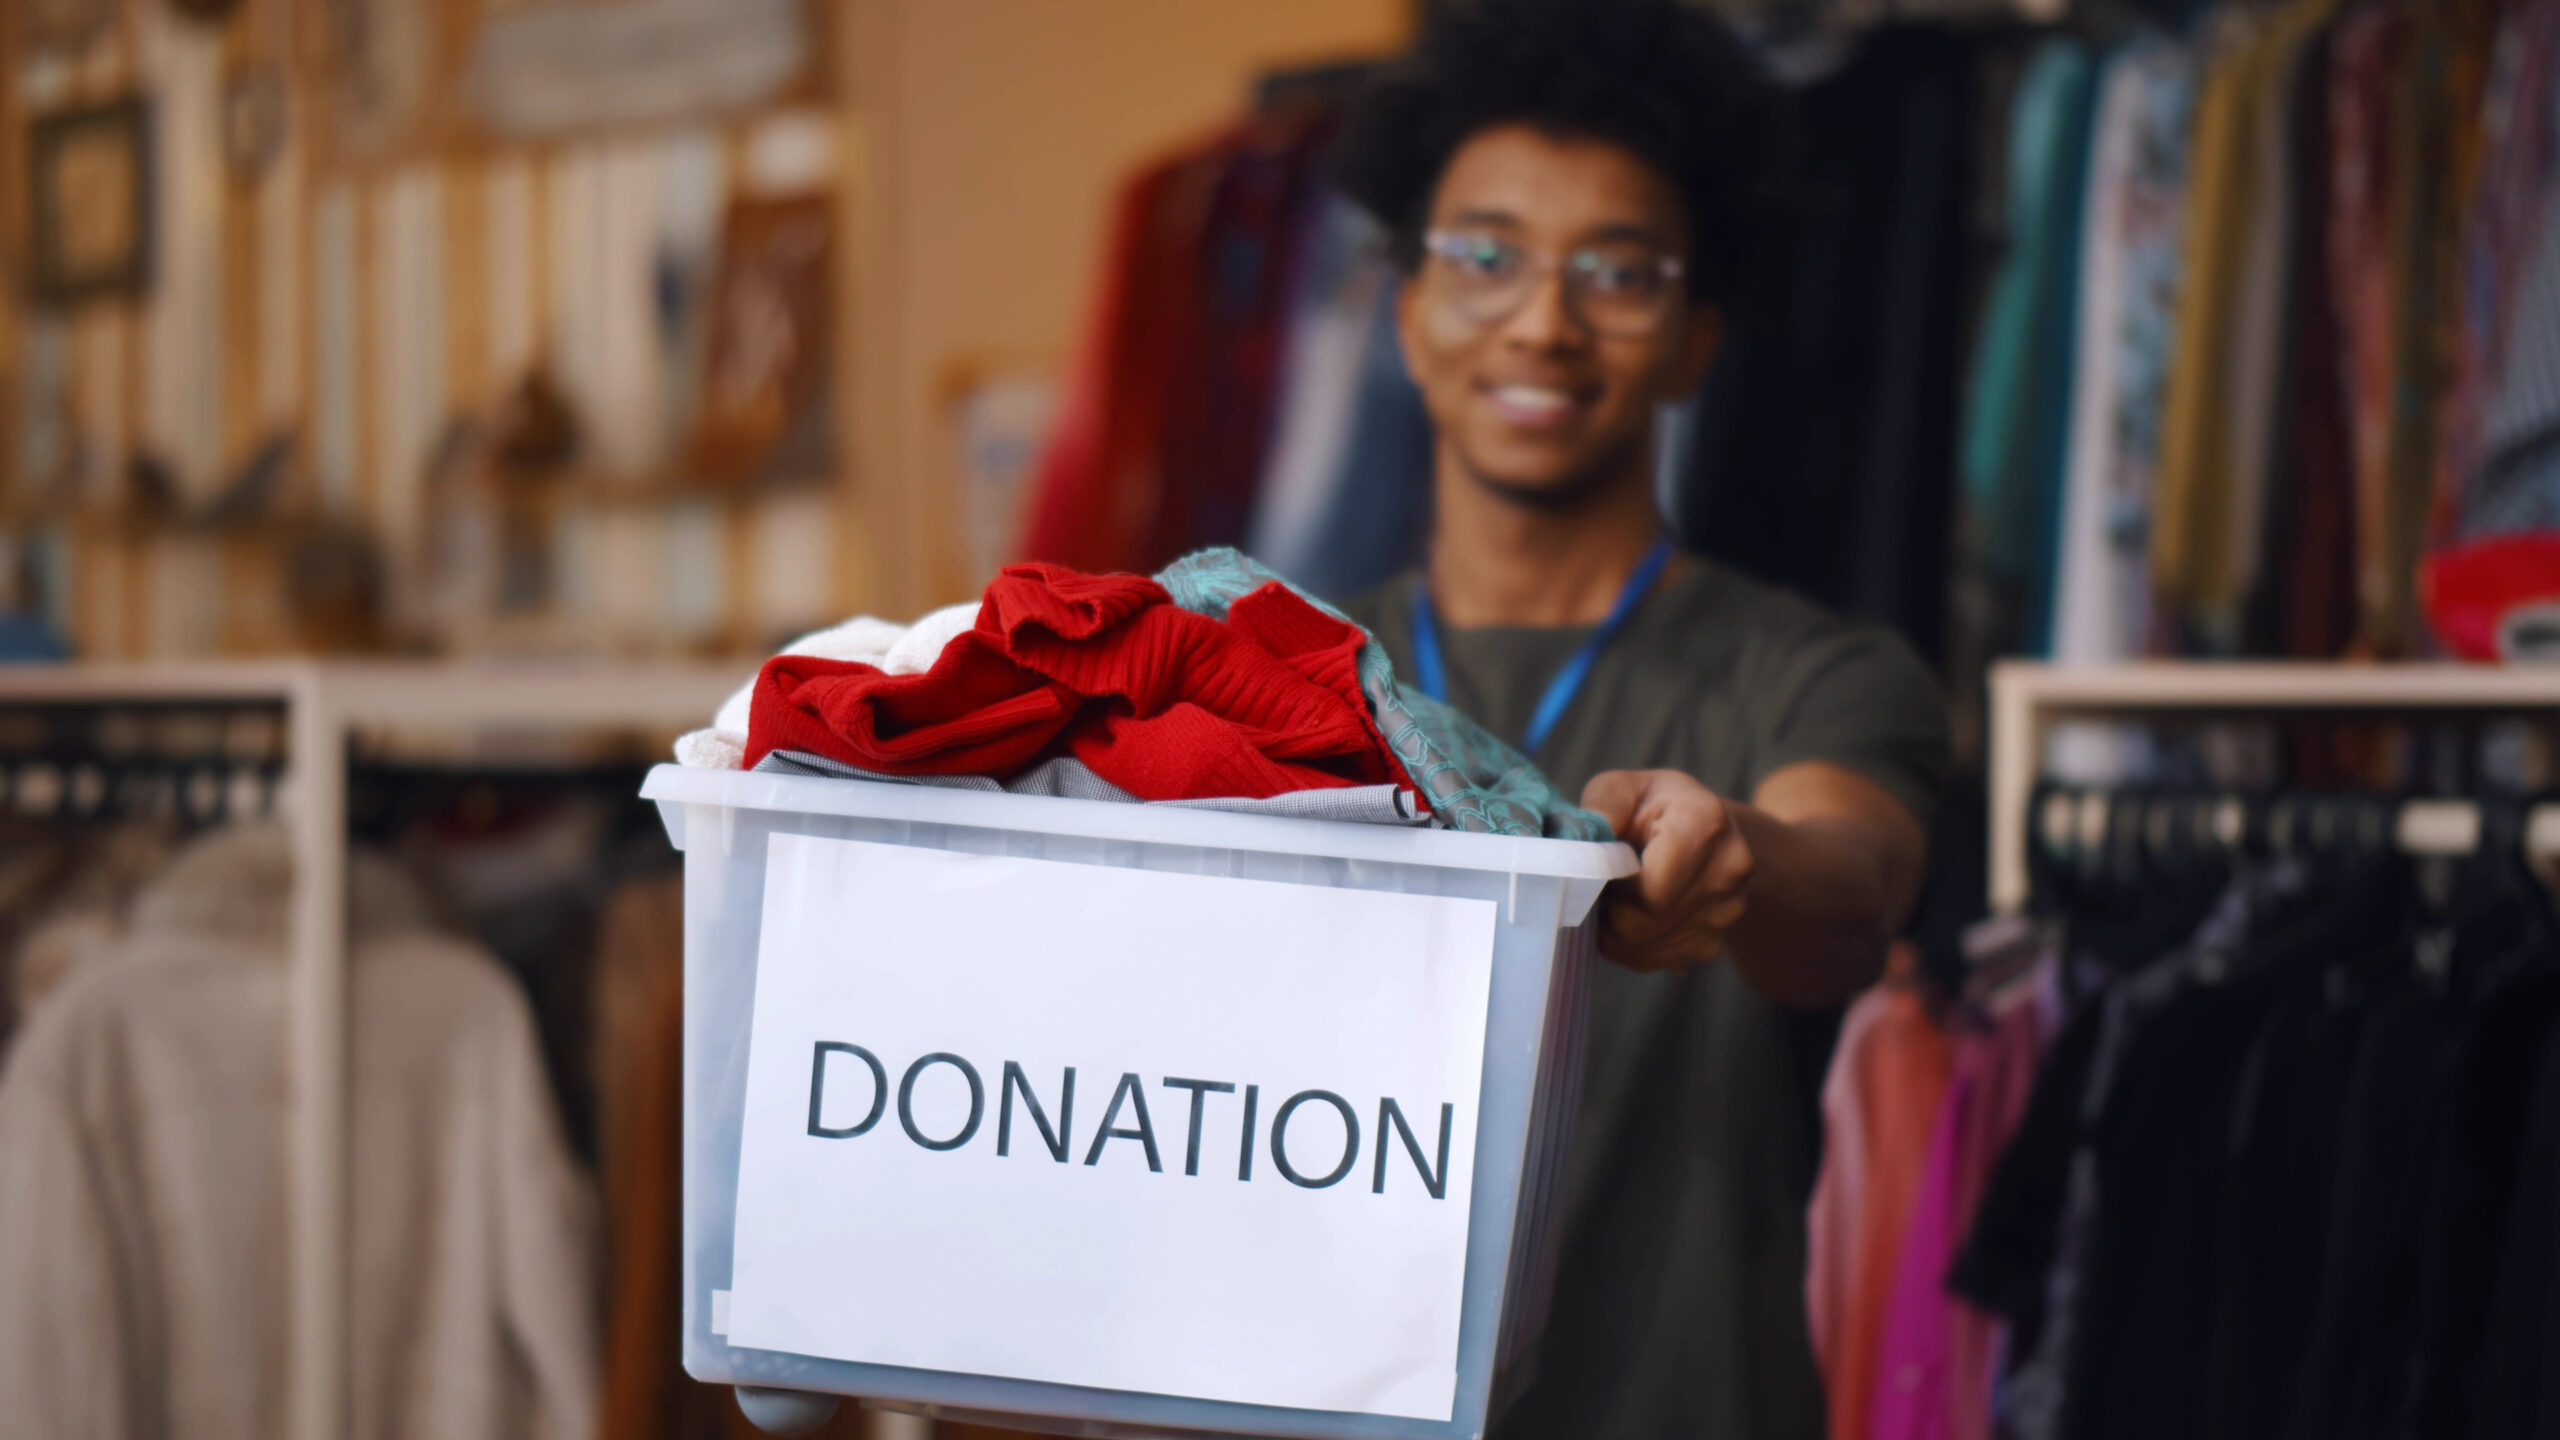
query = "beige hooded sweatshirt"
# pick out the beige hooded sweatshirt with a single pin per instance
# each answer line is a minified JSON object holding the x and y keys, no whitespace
{"x":143,"y":1182}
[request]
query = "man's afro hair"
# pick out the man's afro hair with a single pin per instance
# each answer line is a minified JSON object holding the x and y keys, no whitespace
{"x":1666,"y":80}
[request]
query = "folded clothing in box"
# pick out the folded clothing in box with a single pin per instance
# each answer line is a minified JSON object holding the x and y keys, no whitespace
{"x":1164,"y":703}
{"x":1215,"y":684}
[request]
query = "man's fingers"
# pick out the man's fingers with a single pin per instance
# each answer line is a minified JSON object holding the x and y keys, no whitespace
{"x":1613,"y":795}
{"x":1693,"y":867}
{"x":1636,"y":940}
{"x":1682,"y":828}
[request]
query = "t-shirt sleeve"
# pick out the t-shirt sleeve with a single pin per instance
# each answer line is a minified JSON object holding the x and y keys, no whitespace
{"x":1856,"y":697}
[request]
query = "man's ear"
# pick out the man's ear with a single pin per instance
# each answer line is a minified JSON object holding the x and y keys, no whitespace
{"x":1701,"y":336}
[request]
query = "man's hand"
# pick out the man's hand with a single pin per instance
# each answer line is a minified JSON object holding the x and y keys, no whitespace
{"x":1695,"y":884}
{"x":1799,"y":888}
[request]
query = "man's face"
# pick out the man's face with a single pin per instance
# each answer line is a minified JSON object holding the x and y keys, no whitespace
{"x":1543,"y":385}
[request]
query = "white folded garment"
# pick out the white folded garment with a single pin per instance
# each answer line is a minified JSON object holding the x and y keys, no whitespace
{"x":866,"y":639}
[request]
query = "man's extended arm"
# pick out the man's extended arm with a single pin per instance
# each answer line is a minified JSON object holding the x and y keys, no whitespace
{"x":1801,"y":887}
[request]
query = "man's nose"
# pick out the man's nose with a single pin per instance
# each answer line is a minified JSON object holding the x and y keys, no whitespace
{"x":1546,"y":319}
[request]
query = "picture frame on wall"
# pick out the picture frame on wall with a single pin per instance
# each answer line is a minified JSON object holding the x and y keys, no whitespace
{"x":765,"y":414}
{"x":89,"y":183}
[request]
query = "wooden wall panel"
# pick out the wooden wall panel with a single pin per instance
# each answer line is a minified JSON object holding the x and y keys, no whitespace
{"x":368,"y":288}
{"x":335,"y":389}
{"x":512,"y":295}
{"x":406,"y":350}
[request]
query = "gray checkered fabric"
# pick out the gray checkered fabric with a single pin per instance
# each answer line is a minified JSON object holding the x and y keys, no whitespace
{"x":1475,"y":781}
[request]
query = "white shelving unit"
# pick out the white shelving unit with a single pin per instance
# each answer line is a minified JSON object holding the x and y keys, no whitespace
{"x":2029,"y":699}
{"x":323,"y":704}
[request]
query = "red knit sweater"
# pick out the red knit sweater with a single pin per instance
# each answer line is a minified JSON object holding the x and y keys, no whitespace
{"x":1165,"y":703}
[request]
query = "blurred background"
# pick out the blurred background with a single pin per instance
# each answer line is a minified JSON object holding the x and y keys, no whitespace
{"x":643,"y":331}
{"x":633,"y":327}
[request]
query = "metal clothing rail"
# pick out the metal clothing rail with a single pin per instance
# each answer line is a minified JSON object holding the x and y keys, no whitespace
{"x":2077,"y":817}
{"x":2028,"y":699}
{"x":323,"y":703}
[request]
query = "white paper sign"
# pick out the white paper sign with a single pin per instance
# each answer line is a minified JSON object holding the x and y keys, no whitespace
{"x":1231,"y":1241}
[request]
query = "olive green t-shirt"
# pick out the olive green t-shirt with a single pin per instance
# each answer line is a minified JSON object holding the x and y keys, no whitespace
{"x":1679,"y":1305}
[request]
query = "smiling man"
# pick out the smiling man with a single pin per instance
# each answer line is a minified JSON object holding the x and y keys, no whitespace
{"x":1569,"y":185}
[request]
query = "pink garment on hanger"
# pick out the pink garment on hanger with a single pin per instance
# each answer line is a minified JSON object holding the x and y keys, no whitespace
{"x":1935,"y":1367}
{"x":1887,"y":1081}
{"x":1831,"y":1217}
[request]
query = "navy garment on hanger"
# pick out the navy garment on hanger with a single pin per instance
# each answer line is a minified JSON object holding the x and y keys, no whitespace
{"x":1824,"y":457}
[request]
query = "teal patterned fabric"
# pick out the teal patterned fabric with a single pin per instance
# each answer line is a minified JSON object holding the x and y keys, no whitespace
{"x":1473,"y":780}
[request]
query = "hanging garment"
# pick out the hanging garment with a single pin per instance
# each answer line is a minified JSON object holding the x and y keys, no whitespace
{"x":2519,"y":481}
{"x":1888,"y":1081}
{"x":1346,"y":496}
{"x":78,"y":892}
{"x":2219,"y":400}
{"x":2368,"y":206}
{"x":2313,"y":553}
{"x":2156,"y":1149}
{"x":2479,"y":1138}
{"x":2434,"y":139}
{"x":2276,"y":1202}
{"x":1342,"y":270}
{"x":1218,"y":413}
{"x":2503,"y":478}
{"x":2236,"y":599}
{"x":1935,"y":1369}
{"x":2010,"y":1263}
{"x":1839,"y":1189}
{"x":1265,"y":702}
{"x":2068,"y":1254}
{"x":1164,"y":431}
{"x":2266,"y":1182}
{"x":2100,"y":514}
{"x":1824,"y":454}
{"x":2017,"y":401}
{"x":2372,"y":1364}
{"x":1380,"y":516}
{"x":2519,"y":1394}
{"x":1094,"y":492}
{"x":2130,"y":278}
{"x":144,"y":1233}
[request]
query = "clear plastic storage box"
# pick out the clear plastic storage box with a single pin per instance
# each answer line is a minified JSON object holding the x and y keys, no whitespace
{"x":1544,"y":891}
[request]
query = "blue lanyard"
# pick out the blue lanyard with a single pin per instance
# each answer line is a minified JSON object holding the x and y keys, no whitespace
{"x":1569,"y":680}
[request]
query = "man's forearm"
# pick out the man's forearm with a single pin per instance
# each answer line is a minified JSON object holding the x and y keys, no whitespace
{"x":1822,"y":908}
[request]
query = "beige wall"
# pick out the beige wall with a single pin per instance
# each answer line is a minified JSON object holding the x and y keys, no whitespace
{"x":996,"y":132}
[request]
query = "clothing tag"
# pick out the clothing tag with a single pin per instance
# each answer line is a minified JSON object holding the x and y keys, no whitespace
{"x":1171,"y":1133}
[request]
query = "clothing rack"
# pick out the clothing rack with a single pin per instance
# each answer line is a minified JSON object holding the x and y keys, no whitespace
{"x":322,"y":705}
{"x":2029,"y":698}
{"x":2074,"y":819}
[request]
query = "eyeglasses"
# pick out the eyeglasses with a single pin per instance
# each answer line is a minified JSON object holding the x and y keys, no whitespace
{"x":1620,"y":288}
